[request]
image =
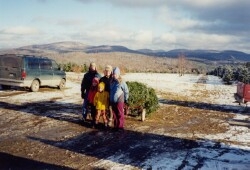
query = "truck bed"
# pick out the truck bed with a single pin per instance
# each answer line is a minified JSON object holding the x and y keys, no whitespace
{"x":242,"y":94}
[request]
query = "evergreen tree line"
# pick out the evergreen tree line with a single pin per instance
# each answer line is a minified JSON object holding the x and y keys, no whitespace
{"x":231,"y":73}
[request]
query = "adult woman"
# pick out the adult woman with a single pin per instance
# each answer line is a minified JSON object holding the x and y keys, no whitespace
{"x":119,"y":94}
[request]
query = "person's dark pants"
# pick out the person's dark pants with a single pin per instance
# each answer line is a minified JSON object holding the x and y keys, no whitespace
{"x":85,"y":106}
{"x":93,"y":113}
{"x":118,"y":114}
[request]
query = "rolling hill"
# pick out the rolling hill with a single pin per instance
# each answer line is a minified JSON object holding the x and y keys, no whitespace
{"x":197,"y":55}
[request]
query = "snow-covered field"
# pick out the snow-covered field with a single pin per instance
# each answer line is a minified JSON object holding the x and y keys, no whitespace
{"x":211,"y":150}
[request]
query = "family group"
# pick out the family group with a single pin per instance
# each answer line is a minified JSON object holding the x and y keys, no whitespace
{"x":104,"y":96}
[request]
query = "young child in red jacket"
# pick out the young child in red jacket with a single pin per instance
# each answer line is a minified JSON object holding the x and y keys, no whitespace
{"x":92,"y":92}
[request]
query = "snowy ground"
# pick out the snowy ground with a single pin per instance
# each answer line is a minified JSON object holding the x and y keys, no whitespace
{"x":198,"y":126}
{"x":212,"y":159}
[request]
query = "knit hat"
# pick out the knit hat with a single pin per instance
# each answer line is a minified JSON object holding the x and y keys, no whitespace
{"x":101,"y":85}
{"x":108,"y":67}
{"x":116,"y":71}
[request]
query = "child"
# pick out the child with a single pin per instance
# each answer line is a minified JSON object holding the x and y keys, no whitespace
{"x":92,"y":92}
{"x":101,"y":102}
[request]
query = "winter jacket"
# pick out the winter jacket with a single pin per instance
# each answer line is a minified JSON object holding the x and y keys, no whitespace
{"x":118,"y":91}
{"x":87,"y":81}
{"x":106,"y":81}
{"x":91,"y":95}
{"x":101,"y":100}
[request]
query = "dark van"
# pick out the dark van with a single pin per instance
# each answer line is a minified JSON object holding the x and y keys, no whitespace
{"x":31,"y":72}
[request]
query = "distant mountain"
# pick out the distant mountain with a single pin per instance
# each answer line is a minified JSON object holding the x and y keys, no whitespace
{"x":106,"y":48}
{"x":61,"y":47}
{"x":210,"y":55}
{"x":150,"y":51}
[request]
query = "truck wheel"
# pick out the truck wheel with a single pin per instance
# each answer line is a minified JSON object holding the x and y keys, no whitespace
{"x":62,"y":84}
{"x":35,"y":86}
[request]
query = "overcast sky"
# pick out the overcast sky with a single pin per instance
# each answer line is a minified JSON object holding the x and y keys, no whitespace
{"x":136,"y":24}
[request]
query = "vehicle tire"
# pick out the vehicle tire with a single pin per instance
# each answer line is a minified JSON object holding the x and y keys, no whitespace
{"x":35,"y":86}
{"x":62,"y":84}
{"x":5,"y":87}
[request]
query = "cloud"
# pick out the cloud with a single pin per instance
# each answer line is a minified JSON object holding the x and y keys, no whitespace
{"x":18,"y":40}
{"x":177,"y":21}
{"x":130,"y":3}
{"x":69,"y":22}
{"x":138,"y":3}
{"x":206,"y":3}
{"x":220,"y":15}
{"x":208,"y":16}
{"x":212,"y":16}
{"x":143,"y":37}
{"x":205,"y":41}
{"x":168,"y":37}
{"x":65,"y":22}
{"x":101,"y":33}
{"x":112,"y":34}
{"x":20,"y":30}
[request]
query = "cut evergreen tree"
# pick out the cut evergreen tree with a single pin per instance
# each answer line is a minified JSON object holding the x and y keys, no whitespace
{"x":141,"y":97}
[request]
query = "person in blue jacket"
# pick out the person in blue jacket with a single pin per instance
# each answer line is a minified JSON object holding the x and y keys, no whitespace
{"x":119,"y":94}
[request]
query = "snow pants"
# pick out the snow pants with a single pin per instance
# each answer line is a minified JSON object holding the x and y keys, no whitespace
{"x":118,"y":115}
